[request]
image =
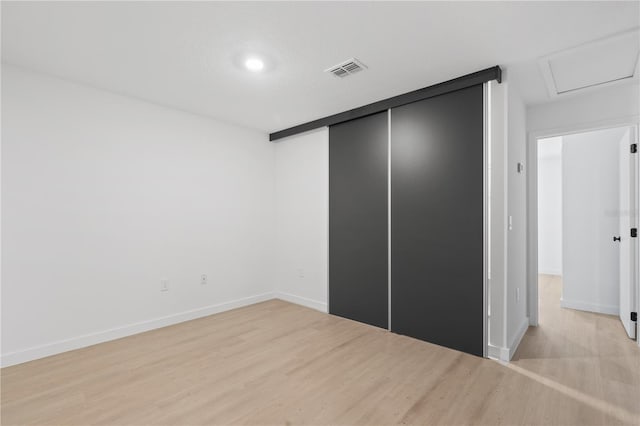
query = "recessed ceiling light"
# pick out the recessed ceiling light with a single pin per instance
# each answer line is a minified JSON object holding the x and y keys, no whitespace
{"x":254,"y":64}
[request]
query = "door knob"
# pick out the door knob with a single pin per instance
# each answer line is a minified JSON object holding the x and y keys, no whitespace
{"x":616,"y":238}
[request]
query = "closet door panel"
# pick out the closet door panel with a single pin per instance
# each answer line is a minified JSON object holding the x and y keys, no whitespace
{"x":437,"y":220}
{"x":358,"y":220}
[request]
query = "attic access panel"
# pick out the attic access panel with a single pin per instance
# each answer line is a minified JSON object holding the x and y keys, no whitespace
{"x":594,"y":64}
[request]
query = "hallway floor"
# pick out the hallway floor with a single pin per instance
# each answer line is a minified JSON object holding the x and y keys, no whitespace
{"x":585,"y":356}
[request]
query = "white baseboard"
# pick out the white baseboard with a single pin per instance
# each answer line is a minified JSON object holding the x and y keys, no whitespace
{"x":498,"y":353}
{"x":517,"y":338}
{"x":299,"y":300}
{"x":590,"y":307}
{"x":549,"y":271}
{"x":18,"y":357}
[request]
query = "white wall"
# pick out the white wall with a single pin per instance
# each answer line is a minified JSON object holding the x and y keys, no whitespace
{"x":590,"y":176}
{"x":302,"y":218}
{"x":550,"y":206}
{"x":588,"y":110}
{"x":498,"y":221}
{"x":104,"y":196}
{"x":517,"y":320}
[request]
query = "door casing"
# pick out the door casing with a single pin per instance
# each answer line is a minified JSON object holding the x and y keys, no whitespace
{"x":532,"y":203}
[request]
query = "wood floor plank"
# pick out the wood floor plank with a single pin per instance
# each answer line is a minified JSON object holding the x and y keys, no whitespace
{"x":279,"y":363}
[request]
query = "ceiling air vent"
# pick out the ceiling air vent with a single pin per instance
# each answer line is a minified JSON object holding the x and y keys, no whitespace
{"x":348,"y":67}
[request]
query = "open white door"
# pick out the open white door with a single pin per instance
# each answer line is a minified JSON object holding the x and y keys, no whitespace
{"x":628,"y":244}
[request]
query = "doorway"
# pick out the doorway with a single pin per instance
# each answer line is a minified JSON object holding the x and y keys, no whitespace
{"x":587,"y":208}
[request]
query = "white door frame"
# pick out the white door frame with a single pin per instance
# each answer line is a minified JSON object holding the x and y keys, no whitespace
{"x":532,"y":200}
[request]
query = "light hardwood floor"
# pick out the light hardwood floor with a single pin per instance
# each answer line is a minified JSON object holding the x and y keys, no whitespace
{"x":278,"y":363}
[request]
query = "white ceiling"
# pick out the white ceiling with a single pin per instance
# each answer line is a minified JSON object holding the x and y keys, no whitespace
{"x":184,"y":55}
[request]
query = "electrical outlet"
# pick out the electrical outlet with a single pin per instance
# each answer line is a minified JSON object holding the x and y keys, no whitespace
{"x":203,"y":279}
{"x":300,"y":273}
{"x":164,"y":285}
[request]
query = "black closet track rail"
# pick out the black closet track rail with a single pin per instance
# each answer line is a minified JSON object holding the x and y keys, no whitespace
{"x":479,"y":77}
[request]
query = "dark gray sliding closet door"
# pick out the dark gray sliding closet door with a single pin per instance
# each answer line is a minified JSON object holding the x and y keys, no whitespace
{"x":358,"y":221}
{"x":437,"y":220}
